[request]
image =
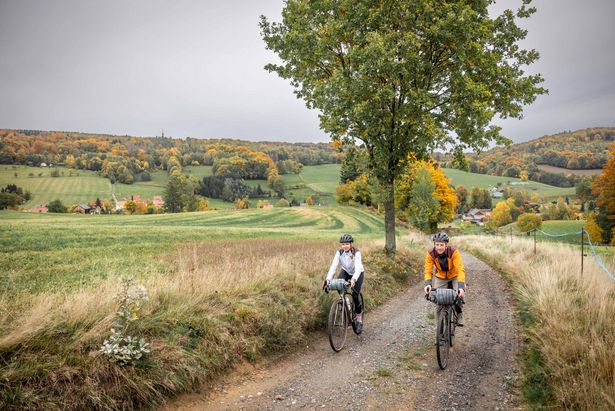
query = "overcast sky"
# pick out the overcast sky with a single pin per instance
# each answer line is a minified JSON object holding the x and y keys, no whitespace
{"x":195,"y":68}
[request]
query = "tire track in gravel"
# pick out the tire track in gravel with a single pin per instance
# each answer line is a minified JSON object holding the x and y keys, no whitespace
{"x":392,"y":365}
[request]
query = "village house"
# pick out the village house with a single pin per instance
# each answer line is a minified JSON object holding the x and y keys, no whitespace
{"x":83,"y":209}
{"x":496,"y":193}
{"x":40,"y":208}
{"x":477,"y":216}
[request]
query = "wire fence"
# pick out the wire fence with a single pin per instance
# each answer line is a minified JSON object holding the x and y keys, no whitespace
{"x":582,"y":236}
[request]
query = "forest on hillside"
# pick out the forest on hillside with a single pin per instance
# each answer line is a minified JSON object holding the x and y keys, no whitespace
{"x":126,"y":159}
{"x":582,"y":149}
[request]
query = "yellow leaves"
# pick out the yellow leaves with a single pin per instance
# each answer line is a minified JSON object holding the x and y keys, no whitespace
{"x":528,"y":221}
{"x":500,"y":215}
{"x":593,"y":229}
{"x":443,"y":193}
{"x":354,"y":192}
{"x":70,"y":161}
{"x":242,"y":203}
{"x":202,"y":204}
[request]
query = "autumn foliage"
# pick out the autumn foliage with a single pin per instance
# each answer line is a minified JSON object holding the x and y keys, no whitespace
{"x":603,"y":188}
{"x":124,"y":159}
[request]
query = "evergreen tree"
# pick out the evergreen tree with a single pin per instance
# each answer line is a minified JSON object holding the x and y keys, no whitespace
{"x":423,"y":205}
{"x":351,"y":165}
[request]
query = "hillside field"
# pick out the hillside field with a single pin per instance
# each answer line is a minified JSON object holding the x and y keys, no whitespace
{"x":321,"y":181}
{"x":560,"y":170}
{"x":81,"y":186}
{"x":470,"y":180}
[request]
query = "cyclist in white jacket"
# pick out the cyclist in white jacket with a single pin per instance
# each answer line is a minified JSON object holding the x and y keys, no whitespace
{"x":352,"y":269}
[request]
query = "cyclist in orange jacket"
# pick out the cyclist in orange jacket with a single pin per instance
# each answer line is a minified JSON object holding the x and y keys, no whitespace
{"x":449,"y":271}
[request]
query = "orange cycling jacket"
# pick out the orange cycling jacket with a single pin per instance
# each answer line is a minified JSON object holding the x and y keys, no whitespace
{"x":455,"y":266}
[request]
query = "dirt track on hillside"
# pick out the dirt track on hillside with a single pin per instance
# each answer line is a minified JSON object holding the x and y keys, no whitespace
{"x":392,"y":365}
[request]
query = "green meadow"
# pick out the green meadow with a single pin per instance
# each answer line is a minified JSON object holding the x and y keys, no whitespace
{"x":44,"y":252}
{"x":224,"y":286}
{"x":74,"y":186}
{"x":470,"y":180}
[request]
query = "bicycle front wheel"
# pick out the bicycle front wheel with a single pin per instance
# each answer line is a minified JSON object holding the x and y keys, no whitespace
{"x":452,"y":326}
{"x":443,"y":339}
{"x":337,"y":326}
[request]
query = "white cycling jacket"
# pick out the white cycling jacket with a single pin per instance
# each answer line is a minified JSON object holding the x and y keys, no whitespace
{"x":351,"y":264}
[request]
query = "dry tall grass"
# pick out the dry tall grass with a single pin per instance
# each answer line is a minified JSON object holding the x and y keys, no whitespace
{"x":200,"y":270}
{"x":575,"y":315}
{"x":231,"y":265}
{"x":224,"y":302}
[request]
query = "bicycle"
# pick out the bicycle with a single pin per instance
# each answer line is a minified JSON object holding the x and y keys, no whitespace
{"x":341,"y":314}
{"x":445,"y":329}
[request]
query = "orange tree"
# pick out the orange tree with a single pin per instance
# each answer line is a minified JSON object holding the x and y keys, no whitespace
{"x":603,"y":187}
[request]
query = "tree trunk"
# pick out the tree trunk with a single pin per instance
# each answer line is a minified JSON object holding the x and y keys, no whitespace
{"x":389,"y":219}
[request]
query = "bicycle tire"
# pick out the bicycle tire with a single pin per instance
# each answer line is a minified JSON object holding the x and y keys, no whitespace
{"x":443,"y":337}
{"x":337,"y":325}
{"x":453,"y":326}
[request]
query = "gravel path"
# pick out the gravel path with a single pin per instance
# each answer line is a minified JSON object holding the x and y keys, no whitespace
{"x":392,"y":365}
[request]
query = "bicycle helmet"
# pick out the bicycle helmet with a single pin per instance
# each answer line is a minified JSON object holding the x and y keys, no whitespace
{"x":440,"y":237}
{"x":346,"y":238}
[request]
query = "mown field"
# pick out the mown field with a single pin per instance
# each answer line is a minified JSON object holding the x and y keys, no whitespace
{"x":224,"y":287}
{"x":43,"y":252}
{"x":470,"y":180}
{"x":80,"y":187}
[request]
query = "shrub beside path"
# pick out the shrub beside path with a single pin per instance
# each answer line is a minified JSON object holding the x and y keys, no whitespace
{"x":392,"y":365}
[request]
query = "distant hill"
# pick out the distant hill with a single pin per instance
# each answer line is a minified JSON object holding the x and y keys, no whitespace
{"x":127,"y":159}
{"x":560,"y":155}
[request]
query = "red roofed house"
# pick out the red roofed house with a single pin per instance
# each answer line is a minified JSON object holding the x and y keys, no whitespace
{"x":41,"y":208}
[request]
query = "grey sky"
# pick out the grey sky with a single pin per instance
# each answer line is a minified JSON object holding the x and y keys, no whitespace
{"x":195,"y":68}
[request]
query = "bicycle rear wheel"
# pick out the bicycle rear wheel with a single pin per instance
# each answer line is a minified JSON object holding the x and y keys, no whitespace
{"x":337,"y":326}
{"x":443,"y":337}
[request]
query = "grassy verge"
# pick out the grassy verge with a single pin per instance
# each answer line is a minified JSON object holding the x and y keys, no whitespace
{"x":216,"y":298}
{"x":566,"y":319}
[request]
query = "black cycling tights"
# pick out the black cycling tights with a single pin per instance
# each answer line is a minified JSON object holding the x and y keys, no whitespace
{"x":356,"y":290}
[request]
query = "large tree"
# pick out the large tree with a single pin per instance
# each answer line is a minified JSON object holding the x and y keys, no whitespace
{"x":404,"y":76}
